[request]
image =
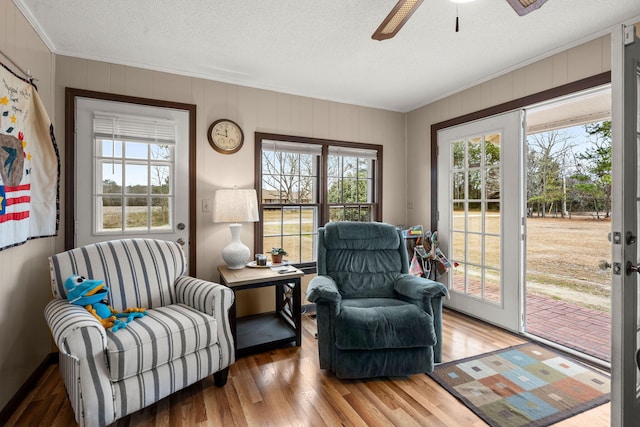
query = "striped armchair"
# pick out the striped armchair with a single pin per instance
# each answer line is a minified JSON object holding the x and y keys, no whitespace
{"x":184,"y":337}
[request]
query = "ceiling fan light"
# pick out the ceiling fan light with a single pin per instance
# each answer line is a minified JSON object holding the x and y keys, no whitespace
{"x":522,"y":7}
{"x":398,"y":16}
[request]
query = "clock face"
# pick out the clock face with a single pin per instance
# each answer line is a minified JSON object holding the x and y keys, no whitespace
{"x":225,"y":136}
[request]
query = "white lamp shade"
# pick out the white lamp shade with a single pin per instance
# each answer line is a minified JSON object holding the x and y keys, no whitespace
{"x":235,"y":205}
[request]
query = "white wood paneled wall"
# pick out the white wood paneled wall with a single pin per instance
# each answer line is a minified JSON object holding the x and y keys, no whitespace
{"x":254,"y":110}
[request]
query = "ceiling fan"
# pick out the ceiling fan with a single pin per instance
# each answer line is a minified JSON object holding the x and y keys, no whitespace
{"x":403,"y":10}
{"x":398,"y":16}
{"x":522,"y":7}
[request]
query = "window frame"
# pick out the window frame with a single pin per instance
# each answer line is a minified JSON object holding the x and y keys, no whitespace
{"x":323,"y":205}
{"x":123,"y":130}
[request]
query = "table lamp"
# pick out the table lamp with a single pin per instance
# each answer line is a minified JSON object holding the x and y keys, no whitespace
{"x":235,"y":206}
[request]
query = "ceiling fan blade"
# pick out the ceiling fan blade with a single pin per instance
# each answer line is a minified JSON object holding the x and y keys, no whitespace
{"x":398,"y":16}
{"x":522,"y":7}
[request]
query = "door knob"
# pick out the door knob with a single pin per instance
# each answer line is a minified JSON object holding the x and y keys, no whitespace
{"x":616,"y":267}
{"x":632,"y":268}
{"x":180,"y":241}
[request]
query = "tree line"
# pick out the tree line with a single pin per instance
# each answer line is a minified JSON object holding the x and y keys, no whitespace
{"x":562,"y":180}
{"x":292,"y":177}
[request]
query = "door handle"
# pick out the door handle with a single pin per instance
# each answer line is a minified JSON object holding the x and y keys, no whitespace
{"x":632,"y":268}
{"x":605,"y":265}
{"x":180,"y":241}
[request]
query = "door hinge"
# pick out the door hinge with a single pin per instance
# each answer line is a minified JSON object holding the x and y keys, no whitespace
{"x":437,"y":150}
{"x":629,"y":34}
{"x":437,"y":216}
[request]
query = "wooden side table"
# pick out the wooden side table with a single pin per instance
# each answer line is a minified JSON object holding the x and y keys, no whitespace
{"x":261,"y":332}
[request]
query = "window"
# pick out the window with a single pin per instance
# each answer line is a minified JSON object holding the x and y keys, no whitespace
{"x":133,"y":178}
{"x":350,"y":184}
{"x":304,"y":183}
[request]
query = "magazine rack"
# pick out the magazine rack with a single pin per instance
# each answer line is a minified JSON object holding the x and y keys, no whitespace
{"x":427,"y":260}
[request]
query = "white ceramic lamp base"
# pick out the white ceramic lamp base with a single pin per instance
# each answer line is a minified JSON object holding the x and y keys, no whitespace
{"x":235,"y":254}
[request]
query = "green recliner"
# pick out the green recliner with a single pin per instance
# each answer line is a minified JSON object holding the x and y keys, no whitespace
{"x":374,"y":318}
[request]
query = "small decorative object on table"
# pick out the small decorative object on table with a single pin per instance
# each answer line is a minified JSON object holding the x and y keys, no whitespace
{"x":277,"y":254}
{"x":261,"y":260}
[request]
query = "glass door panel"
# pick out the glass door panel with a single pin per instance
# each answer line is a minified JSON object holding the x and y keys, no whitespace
{"x":475,"y":186}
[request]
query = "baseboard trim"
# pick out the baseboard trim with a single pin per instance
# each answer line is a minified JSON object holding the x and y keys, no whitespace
{"x":30,"y":384}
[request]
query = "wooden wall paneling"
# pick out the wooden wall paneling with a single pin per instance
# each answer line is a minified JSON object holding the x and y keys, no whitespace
{"x":284,"y":113}
{"x":321,"y":125}
{"x":539,"y":76}
{"x":117,"y":79}
{"x":159,"y":82}
{"x":98,"y":76}
{"x":179,"y":88}
{"x":267,"y":111}
{"x":586,"y":60}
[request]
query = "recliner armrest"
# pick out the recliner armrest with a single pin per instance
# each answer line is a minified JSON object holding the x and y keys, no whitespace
{"x":323,"y":289}
{"x":419,"y":288}
{"x":428,"y":294}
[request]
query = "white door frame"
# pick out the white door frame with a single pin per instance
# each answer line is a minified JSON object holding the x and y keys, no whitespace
{"x":71,"y":96}
{"x":625,"y":375}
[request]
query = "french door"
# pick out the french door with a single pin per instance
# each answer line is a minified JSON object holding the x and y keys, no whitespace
{"x":625,"y":312}
{"x":481,"y":214}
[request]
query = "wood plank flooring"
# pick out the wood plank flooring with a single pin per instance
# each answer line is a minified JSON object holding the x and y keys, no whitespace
{"x":285,"y":387}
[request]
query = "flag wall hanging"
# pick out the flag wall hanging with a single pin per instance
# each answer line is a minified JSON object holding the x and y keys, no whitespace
{"x":29,"y":164}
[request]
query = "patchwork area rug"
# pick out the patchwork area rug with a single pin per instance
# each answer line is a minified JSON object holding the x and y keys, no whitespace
{"x":524,"y":385}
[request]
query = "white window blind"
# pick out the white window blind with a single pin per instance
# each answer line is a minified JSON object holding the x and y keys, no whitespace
{"x":134,"y":128}
{"x":360,"y":153}
{"x":291,"y":147}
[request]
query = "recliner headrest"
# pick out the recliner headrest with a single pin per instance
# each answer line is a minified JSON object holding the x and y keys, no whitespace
{"x":361,"y":235}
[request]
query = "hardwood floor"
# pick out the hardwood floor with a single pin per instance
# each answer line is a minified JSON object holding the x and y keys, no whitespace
{"x":285,"y":387}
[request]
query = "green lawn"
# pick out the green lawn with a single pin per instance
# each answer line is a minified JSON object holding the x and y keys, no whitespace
{"x":561,"y":258}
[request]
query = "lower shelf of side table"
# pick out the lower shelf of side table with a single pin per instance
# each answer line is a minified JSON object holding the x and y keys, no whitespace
{"x":262,"y":332}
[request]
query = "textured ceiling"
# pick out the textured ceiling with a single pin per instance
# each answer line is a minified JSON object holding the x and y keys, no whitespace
{"x":322,"y":48}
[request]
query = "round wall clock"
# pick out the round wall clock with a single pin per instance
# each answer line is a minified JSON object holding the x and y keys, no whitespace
{"x":225,"y":136}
